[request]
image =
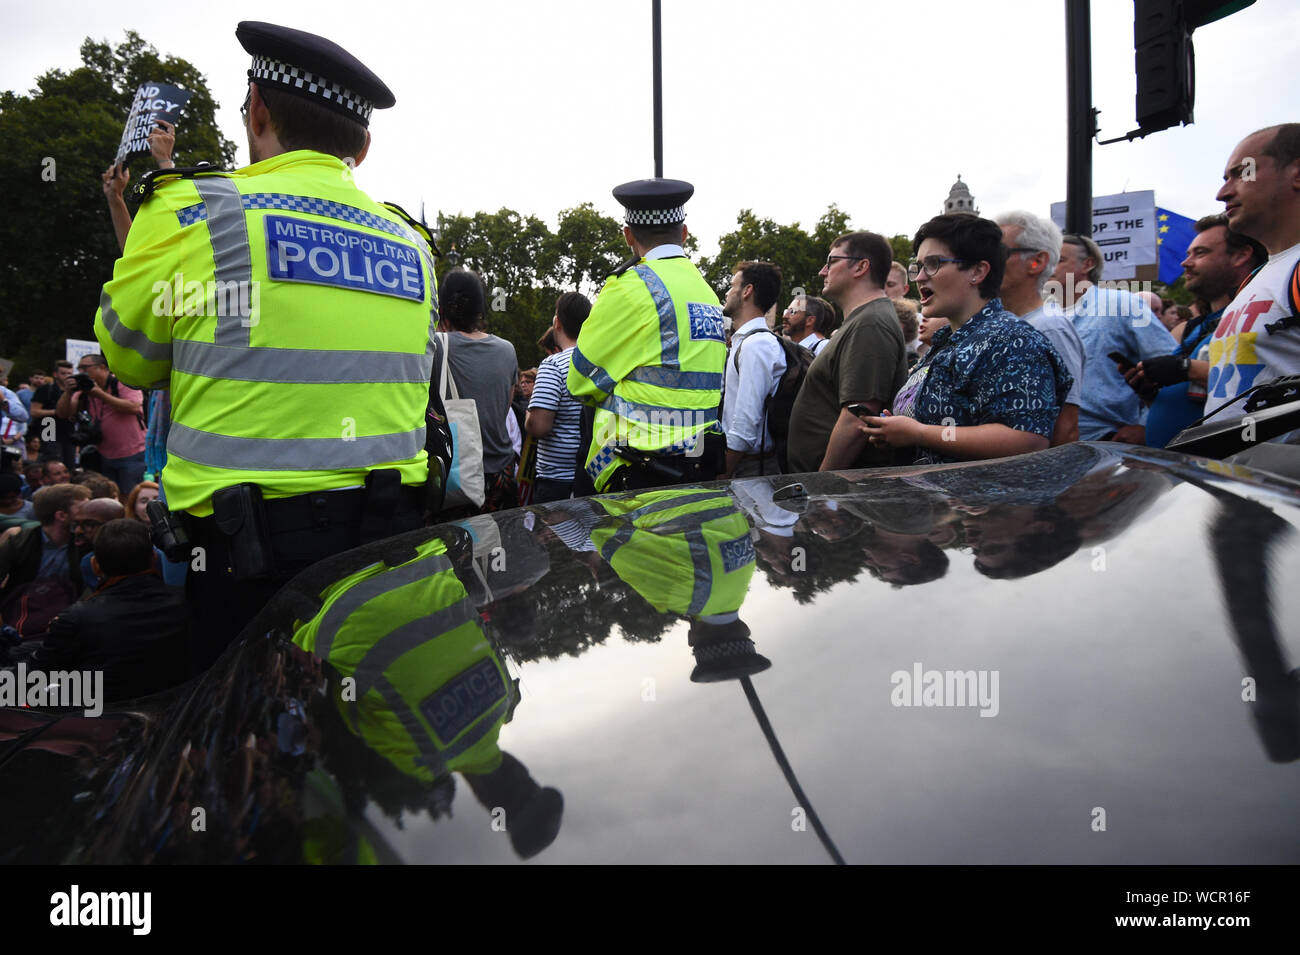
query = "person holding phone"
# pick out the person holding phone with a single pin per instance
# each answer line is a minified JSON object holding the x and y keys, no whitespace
{"x":991,"y":385}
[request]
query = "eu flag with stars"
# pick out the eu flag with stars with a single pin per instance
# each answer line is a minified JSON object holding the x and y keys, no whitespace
{"x":1174,"y":233}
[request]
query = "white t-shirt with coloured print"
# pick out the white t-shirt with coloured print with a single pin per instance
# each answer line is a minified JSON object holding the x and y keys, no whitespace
{"x":1243,"y":353}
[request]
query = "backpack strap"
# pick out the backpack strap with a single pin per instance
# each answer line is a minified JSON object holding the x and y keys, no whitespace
{"x":1293,"y":300}
{"x":736,"y":357}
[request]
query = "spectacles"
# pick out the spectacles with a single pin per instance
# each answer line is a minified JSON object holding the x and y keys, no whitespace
{"x":931,"y":264}
{"x":248,"y":101}
{"x":830,"y":259}
{"x":86,"y":525}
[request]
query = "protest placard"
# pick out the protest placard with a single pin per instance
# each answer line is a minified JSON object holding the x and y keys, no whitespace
{"x":153,"y":101}
{"x":76,"y":349}
{"x":1124,"y":226}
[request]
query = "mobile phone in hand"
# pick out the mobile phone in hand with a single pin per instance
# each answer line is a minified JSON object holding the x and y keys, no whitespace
{"x":862,"y":411}
{"x":1124,"y":364}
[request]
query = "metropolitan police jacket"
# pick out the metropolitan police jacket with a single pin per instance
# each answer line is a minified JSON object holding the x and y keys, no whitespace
{"x":428,"y":691}
{"x":290,"y":315}
{"x":650,"y":358}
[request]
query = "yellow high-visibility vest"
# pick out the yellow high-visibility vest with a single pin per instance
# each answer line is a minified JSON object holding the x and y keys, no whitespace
{"x":428,"y":691}
{"x":685,"y":550}
{"x":291,"y":316}
{"x":649,"y":357}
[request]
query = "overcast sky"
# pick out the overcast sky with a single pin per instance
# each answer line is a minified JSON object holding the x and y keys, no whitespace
{"x":782,"y":107}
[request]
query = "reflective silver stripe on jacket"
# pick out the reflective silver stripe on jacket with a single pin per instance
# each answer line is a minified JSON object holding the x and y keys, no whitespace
{"x":370,"y":588}
{"x":667,"y":314}
{"x":292,"y":454}
{"x":300,"y":365}
{"x":130,"y":338}
{"x":675,"y":378}
{"x":385,"y":651}
{"x":228,"y":232}
{"x":429,"y":756}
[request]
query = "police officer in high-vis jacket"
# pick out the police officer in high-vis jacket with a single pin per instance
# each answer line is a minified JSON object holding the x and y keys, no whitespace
{"x":650,"y":355}
{"x":290,"y":315}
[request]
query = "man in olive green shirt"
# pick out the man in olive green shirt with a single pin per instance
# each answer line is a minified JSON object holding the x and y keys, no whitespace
{"x":865,"y":363}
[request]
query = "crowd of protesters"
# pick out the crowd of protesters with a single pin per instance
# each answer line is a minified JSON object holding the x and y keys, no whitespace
{"x":997,"y":338}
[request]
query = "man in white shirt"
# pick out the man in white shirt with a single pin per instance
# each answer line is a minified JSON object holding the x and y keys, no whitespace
{"x":1033,"y":249}
{"x":1258,"y":337}
{"x":752,"y":375}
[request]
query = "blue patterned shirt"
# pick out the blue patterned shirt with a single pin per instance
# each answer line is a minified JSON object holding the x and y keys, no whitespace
{"x":995,"y":369}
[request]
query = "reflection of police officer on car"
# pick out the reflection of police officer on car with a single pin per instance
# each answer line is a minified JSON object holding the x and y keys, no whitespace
{"x":425,"y":688}
{"x":687,"y":551}
{"x":299,"y":383}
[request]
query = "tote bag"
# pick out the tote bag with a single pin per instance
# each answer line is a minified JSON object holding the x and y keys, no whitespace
{"x":465,"y":481}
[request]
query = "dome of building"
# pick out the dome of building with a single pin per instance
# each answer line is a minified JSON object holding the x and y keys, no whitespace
{"x":960,"y":199}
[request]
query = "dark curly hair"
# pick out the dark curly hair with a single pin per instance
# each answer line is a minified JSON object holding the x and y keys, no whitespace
{"x":971,"y":239}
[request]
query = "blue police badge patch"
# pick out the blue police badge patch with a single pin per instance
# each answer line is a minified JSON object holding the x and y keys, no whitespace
{"x":463,"y":699}
{"x":737,"y":553}
{"x":325,"y":254}
{"x":706,"y":321}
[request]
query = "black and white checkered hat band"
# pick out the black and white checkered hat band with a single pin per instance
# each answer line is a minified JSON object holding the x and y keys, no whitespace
{"x":282,"y":74}
{"x":655,"y":216}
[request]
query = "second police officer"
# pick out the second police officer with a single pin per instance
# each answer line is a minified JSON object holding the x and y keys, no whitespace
{"x":651,"y":353}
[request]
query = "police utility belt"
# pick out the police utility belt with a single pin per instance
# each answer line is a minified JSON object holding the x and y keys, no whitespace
{"x":250,"y":524}
{"x":661,"y":469}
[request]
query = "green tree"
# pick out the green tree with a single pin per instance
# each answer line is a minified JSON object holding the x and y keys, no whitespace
{"x":588,"y":246}
{"x":58,"y":241}
{"x":515,"y":255}
{"x":901,"y":245}
{"x":799,"y":254}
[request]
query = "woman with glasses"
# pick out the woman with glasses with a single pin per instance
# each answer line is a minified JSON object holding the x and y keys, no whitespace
{"x":991,"y":385}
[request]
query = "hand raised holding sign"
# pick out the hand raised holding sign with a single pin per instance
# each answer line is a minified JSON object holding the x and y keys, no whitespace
{"x":161,"y":140}
{"x":115,"y":179}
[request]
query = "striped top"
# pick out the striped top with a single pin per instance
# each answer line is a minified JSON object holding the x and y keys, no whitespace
{"x":557,"y":452}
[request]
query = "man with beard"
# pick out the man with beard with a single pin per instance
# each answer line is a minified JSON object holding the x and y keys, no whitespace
{"x":37,"y":563}
{"x":88,"y":519}
{"x":1218,"y":261}
{"x":808,"y":322}
{"x":755,"y":365}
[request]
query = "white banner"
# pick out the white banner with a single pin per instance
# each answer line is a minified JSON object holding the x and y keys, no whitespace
{"x":1124,"y":225}
{"x":76,"y":349}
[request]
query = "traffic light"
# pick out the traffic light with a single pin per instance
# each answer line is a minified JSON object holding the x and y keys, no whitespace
{"x":1164,"y":61}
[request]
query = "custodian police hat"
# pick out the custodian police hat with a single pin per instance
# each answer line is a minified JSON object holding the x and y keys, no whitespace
{"x":314,"y":67}
{"x":723,"y":650}
{"x":654,"y":201}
